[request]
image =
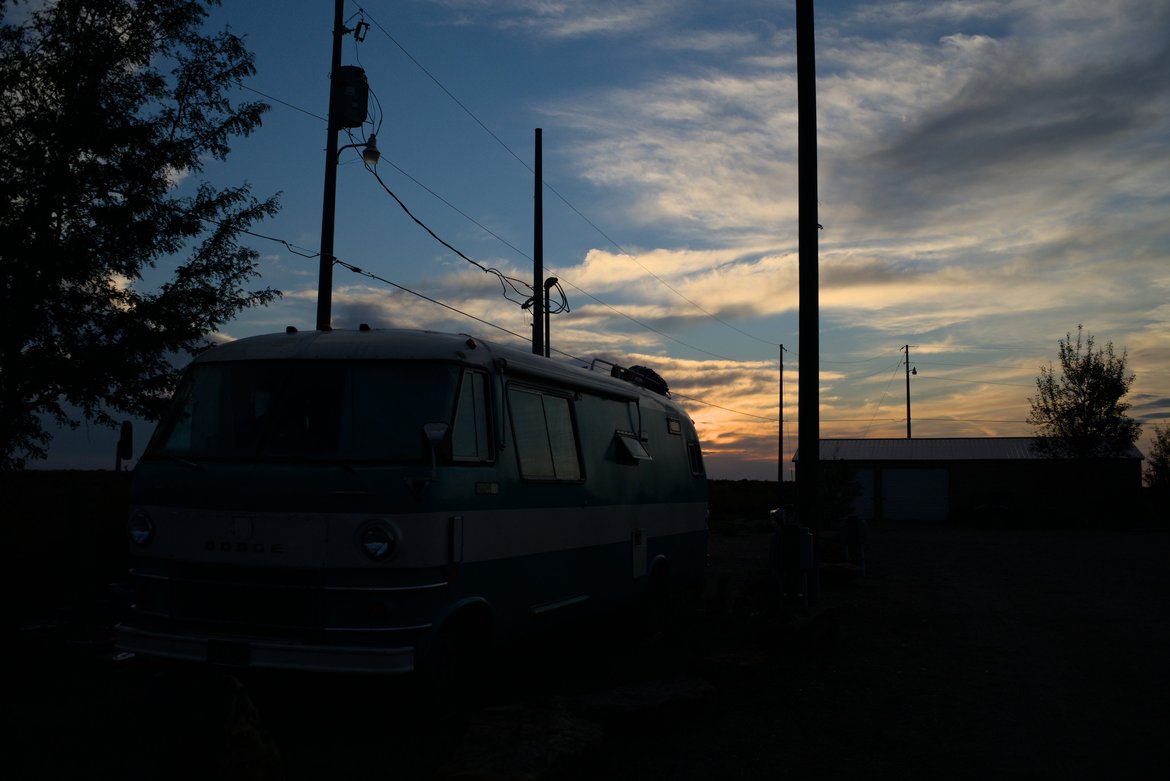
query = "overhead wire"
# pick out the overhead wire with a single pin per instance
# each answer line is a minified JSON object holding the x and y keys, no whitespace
{"x":560,"y":277}
{"x":301,"y":251}
{"x":285,"y":103}
{"x":726,"y":409}
{"x":552,"y":189}
{"x":518,"y":286}
{"x":882,"y":400}
{"x":307,"y":253}
{"x":973,"y":382}
{"x":362,"y":272}
{"x":563,"y":307}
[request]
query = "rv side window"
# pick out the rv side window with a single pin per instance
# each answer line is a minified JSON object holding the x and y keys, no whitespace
{"x":695,"y":455}
{"x":546,"y":442}
{"x":469,"y":440}
{"x":630,"y":448}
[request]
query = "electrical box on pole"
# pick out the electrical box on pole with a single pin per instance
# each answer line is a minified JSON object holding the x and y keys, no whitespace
{"x":350,"y":97}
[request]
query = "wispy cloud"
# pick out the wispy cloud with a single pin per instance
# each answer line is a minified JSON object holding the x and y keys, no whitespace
{"x":564,"y":18}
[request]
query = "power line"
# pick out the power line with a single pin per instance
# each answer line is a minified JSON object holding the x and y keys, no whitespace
{"x":881,"y":401}
{"x":512,"y":281}
{"x":873,"y":373}
{"x":242,"y":85}
{"x":973,"y":382}
{"x":552,"y":189}
{"x":863,"y":360}
{"x":725,"y":409}
{"x":932,"y":362}
{"x":448,"y":92}
{"x":460,"y":212}
{"x":560,"y":275}
{"x":362,"y":272}
{"x":968,"y":420}
{"x":305,"y":253}
{"x":518,"y":286}
{"x":564,"y":303}
{"x":647,"y":326}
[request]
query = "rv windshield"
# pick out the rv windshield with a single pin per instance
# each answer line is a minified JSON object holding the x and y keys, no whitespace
{"x":320,"y":410}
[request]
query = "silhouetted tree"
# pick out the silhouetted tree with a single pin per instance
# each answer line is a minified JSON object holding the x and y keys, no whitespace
{"x":1078,"y":411}
{"x":107,"y":104}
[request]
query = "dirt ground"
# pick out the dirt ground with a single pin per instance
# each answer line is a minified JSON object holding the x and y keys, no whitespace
{"x":961,"y":653}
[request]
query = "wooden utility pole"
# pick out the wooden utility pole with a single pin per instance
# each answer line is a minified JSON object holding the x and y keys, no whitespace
{"x":329,"y":205}
{"x":780,"y":457}
{"x":909,"y":371}
{"x":808,"y":478}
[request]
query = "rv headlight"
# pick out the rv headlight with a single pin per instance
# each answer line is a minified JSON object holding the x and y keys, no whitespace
{"x":377,"y":541}
{"x":140,"y":529}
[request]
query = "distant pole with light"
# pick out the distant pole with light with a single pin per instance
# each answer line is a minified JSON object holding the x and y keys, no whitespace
{"x":539,"y":346}
{"x":909,"y":371}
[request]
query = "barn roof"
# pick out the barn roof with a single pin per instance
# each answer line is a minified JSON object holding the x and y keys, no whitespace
{"x":940,"y":449}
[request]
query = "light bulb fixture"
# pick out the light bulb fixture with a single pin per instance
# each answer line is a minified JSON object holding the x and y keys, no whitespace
{"x":370,"y":153}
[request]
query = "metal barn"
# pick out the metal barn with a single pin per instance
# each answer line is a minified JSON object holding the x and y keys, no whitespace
{"x":980,"y":479}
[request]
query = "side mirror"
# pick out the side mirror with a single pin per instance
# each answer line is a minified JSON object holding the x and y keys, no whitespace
{"x":435,"y":433}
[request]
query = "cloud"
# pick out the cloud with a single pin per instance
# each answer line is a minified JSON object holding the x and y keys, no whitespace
{"x":564,"y":18}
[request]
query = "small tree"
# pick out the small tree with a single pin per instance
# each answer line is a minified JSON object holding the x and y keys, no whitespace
{"x":105,"y":105}
{"x":1158,"y":462}
{"x":1078,"y":411}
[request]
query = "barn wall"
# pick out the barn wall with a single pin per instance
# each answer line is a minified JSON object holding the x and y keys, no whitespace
{"x":1013,"y":492}
{"x":1050,"y":492}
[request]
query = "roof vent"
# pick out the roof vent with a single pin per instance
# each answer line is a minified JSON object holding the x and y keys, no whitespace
{"x":364,"y":327}
{"x":290,"y":329}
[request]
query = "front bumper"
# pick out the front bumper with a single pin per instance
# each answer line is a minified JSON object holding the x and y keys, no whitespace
{"x":264,"y":653}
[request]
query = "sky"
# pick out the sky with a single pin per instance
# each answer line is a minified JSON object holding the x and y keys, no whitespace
{"x":991,"y":173}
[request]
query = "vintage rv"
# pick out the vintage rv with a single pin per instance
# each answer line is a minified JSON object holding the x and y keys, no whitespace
{"x":371,"y":501}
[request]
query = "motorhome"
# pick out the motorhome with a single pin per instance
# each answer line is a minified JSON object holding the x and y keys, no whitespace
{"x":373,"y":501}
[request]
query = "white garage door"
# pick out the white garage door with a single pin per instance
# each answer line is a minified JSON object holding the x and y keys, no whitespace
{"x":914,"y":494}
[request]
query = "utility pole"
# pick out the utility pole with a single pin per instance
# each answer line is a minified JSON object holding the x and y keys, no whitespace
{"x":909,"y":371}
{"x":349,"y":95}
{"x":538,"y":316}
{"x":328,"y":208}
{"x":809,"y":316}
{"x":780,"y":458}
